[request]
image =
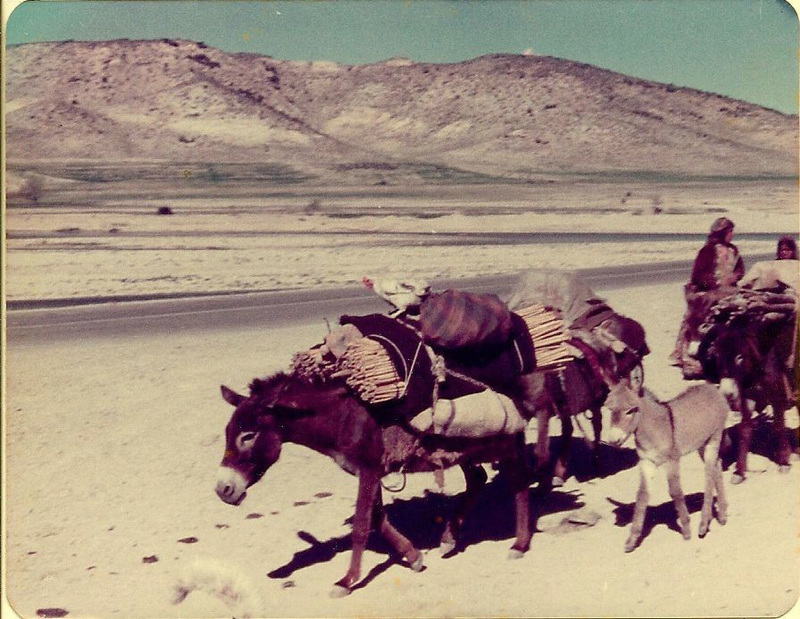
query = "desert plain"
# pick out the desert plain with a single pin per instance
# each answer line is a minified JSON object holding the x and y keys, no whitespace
{"x":140,"y":170}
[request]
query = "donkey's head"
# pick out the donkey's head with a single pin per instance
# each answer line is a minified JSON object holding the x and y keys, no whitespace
{"x":740,"y":360}
{"x":259,"y":426}
{"x":624,"y":403}
{"x":252,"y":444}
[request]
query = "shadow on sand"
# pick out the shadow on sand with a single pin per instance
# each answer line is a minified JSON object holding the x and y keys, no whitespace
{"x":763,"y":442}
{"x":584,"y":465}
{"x":422,"y":520}
{"x":656,"y":514}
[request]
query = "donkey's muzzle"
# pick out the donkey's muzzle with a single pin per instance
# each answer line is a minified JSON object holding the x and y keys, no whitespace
{"x":615,"y":436}
{"x":231,"y":486}
{"x":730,"y":390}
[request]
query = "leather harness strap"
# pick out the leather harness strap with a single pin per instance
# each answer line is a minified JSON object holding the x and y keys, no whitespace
{"x":591,"y":358}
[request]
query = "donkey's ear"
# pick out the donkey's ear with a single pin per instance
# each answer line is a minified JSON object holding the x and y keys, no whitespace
{"x":231,"y":397}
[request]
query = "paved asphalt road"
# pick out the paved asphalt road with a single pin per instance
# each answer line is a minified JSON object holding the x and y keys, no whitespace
{"x":106,"y":318}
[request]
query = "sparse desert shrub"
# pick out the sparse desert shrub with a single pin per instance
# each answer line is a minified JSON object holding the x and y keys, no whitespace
{"x":165,"y":210}
{"x":213,"y":174}
{"x":204,"y":60}
{"x":315,"y":206}
{"x":31,"y":189}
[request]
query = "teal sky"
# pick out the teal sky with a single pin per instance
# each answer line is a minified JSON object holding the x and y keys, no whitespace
{"x":747,"y":49}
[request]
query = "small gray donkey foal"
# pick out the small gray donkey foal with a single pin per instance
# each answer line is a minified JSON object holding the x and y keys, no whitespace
{"x":693,"y":421}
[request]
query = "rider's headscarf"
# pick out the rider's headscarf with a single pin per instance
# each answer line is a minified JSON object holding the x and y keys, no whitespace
{"x":719,"y":229}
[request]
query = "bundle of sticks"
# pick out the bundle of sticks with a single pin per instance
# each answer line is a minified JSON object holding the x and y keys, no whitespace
{"x":370,"y":372}
{"x":760,"y":305}
{"x":313,"y":366}
{"x":549,"y":336}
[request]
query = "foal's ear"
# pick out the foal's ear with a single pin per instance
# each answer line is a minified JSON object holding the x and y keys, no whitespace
{"x":231,"y":397}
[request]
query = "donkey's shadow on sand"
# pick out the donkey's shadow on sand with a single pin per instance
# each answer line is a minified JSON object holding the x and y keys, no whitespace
{"x":422,"y":519}
{"x":587,"y":462}
{"x":656,"y":514}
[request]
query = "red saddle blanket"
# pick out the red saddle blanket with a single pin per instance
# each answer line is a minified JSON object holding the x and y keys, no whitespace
{"x":456,"y":319}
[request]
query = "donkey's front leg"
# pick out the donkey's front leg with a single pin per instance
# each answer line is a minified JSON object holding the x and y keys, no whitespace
{"x":542,"y":450}
{"x":745,"y":437}
{"x":678,"y":498}
{"x":710,"y":455}
{"x":780,"y":403}
{"x":597,"y":426}
{"x":647,"y":471}
{"x":520,"y":486}
{"x":367,"y":491}
{"x":562,"y":457}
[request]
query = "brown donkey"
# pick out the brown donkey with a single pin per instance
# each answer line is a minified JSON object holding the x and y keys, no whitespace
{"x":693,"y":421}
{"x":330,"y":420}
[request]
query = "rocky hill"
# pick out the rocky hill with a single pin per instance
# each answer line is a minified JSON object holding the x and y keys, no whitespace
{"x":506,"y":115}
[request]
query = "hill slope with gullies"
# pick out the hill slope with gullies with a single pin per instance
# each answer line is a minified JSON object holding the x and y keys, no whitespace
{"x":506,"y":115}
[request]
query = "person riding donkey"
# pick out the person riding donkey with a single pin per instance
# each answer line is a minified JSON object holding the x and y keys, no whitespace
{"x":717,"y":269}
{"x":787,"y":248}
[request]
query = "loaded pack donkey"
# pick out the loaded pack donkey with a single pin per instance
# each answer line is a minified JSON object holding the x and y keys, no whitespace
{"x":664,"y":432}
{"x":402,"y":394}
{"x":749,"y":347}
{"x":607,"y":347}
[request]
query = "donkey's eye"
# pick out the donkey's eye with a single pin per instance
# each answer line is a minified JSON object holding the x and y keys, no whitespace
{"x":631,"y":411}
{"x":245,"y":440}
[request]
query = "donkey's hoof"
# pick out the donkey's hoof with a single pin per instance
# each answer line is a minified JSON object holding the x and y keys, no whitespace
{"x":445,"y":548}
{"x":557,"y":481}
{"x":417,"y":564}
{"x":339,"y":591}
{"x":631,"y":544}
{"x":514,"y":553}
{"x":737,"y":479}
{"x":784,"y":468}
{"x":702,"y":532}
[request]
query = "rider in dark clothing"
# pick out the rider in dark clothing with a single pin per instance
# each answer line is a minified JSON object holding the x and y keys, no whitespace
{"x":717,"y":268}
{"x":718,"y":263}
{"x":787,"y":249}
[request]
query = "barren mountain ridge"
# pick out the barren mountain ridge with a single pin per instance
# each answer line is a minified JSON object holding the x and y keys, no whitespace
{"x":508,"y":115}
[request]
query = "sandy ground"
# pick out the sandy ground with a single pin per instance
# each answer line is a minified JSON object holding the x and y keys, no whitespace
{"x":112,"y":447}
